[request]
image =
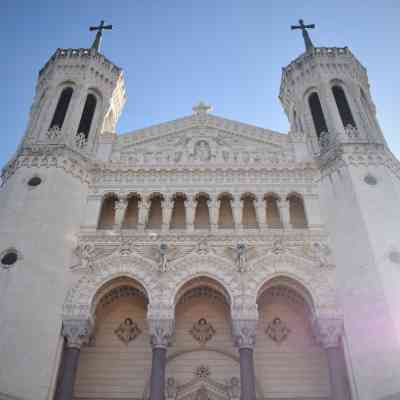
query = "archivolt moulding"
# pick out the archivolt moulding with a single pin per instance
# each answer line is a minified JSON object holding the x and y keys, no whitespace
{"x":318,"y":281}
{"x":79,"y":302}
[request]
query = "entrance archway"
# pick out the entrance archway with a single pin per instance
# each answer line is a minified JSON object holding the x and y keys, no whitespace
{"x":288,"y":360}
{"x":117,"y":361}
{"x":203,"y":361}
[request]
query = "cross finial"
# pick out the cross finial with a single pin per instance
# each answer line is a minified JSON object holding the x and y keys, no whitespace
{"x":99,"y":34}
{"x":307,"y":41}
{"x":201,"y":108}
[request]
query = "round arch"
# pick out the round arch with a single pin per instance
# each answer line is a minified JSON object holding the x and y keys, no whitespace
{"x":81,"y":297}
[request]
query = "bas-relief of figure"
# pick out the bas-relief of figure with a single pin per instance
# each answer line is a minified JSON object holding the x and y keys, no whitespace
{"x":277,"y":330}
{"x":202,"y":151}
{"x":202,"y":331}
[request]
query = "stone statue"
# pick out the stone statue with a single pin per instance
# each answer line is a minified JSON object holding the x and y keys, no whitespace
{"x":202,"y":331}
{"x":241,"y":250}
{"x":163,"y":250}
{"x":233,"y":388}
{"x":171,"y":389}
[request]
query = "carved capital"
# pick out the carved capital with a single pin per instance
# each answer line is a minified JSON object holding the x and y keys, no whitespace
{"x":76,"y":332}
{"x":244,"y":332}
{"x":328,"y":331}
{"x":161,"y":332}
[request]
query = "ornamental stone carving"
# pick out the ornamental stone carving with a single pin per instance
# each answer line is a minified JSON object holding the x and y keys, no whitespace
{"x":277,"y":330}
{"x":161,"y":332}
{"x":329,"y":331}
{"x":244,"y":332}
{"x":202,"y":371}
{"x":76,"y":332}
{"x":233,"y":388}
{"x":127,"y":331}
{"x":202,"y":331}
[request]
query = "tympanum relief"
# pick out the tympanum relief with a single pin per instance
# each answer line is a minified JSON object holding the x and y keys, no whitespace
{"x":201,"y":145}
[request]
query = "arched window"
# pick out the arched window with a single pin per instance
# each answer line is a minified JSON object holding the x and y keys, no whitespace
{"x":155,"y":212}
{"x":273,"y":215}
{"x":87,"y":115}
{"x":107,"y":213}
{"x":202,"y":213}
{"x":225,"y":216}
{"x":132,"y":213}
{"x":62,"y":108}
{"x":297,"y":212}
{"x":343,"y":106}
{"x":249,"y":216}
{"x":317,"y":114}
{"x":178,"y":218}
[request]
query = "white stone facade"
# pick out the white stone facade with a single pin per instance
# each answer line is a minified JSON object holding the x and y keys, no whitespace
{"x":201,"y":202}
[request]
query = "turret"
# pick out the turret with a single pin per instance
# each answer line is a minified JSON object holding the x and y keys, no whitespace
{"x":325,"y":93}
{"x":79,"y":95}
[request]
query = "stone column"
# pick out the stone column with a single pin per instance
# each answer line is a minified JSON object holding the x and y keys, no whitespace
{"x":161,"y":331}
{"x":237,"y":208}
{"x":167,"y":207}
{"x":120,"y":209}
{"x":143,"y":212}
{"x":190,"y":209}
{"x":76,"y":332}
{"x":261,"y":211}
{"x":284,"y":213}
{"x":213,"y":208}
{"x":244,"y":333}
{"x":329,"y":333}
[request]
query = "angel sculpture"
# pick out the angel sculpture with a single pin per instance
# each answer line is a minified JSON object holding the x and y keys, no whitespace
{"x":241,"y":254}
{"x":85,"y":252}
{"x":163,"y":250}
{"x":241,"y":259}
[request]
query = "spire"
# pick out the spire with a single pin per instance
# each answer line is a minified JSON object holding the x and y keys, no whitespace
{"x":307,"y":40}
{"x":99,"y":34}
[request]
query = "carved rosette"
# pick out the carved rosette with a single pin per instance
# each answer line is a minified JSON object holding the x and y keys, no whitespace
{"x":161,"y":332}
{"x":329,"y":331}
{"x":76,"y":332}
{"x":244,"y":332}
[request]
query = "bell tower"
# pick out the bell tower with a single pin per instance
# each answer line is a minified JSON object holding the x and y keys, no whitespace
{"x":79,"y":95}
{"x":325,"y":94}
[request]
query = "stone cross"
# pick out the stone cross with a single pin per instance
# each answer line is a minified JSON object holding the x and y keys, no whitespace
{"x":99,"y":34}
{"x":201,"y":108}
{"x":307,"y":41}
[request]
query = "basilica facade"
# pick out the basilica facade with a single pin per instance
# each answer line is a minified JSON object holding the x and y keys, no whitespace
{"x":202,"y":258}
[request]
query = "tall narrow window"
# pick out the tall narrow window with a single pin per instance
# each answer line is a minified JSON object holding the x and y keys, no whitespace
{"x":297,"y":212}
{"x":273,"y":215}
{"x":202,"y":213}
{"x":107,"y":213}
{"x":225,"y":216}
{"x":249,"y":216}
{"x":343,"y":106}
{"x":87,"y":115}
{"x":155,"y":212}
{"x":178,"y":219}
{"x":317,"y":114}
{"x":62,"y":108}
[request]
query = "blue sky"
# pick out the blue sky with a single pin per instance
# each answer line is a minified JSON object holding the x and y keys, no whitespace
{"x":176,"y":52}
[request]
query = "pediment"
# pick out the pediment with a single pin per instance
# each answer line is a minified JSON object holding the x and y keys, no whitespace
{"x":197,"y":141}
